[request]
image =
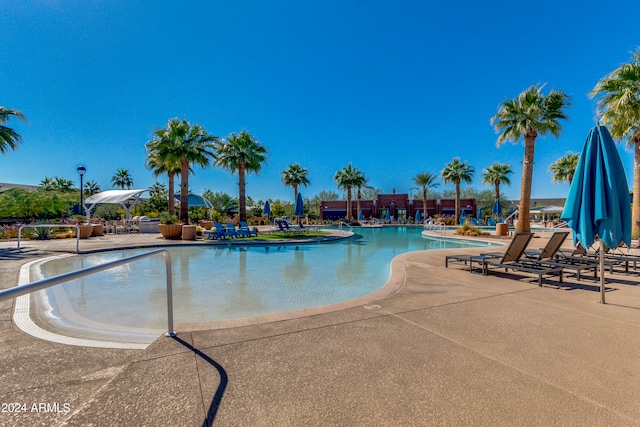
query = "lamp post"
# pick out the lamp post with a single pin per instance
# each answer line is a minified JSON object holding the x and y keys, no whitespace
{"x":81,"y":171}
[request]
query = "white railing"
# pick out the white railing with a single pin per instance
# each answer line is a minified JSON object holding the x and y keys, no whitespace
{"x":76,"y":226}
{"x":62,"y":278}
{"x":440,"y":228}
{"x":342,"y":225}
{"x":561,"y":224}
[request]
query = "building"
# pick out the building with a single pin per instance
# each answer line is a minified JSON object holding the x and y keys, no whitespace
{"x":396,"y":206}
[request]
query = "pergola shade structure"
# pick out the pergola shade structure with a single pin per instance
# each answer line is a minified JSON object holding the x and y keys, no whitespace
{"x":125,"y":198}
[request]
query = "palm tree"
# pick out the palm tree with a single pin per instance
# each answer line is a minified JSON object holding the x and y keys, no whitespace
{"x":529,"y":115}
{"x":496,"y":174}
{"x":9,"y":138}
{"x":619,"y":107}
{"x":240,"y":153}
{"x":346,"y":177}
{"x":425,"y":180}
{"x":62,"y":184}
{"x":564,"y":168}
{"x":359,"y":182}
{"x":161,"y":158}
{"x":91,"y":187}
{"x":122,"y":179}
{"x":47,"y":184}
{"x":181,"y":144}
{"x":293,"y":176}
{"x":456,"y":172}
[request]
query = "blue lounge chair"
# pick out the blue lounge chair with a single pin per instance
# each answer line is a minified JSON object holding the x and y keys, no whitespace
{"x":491,"y":222}
{"x":231,"y":229}
{"x":245,"y":230}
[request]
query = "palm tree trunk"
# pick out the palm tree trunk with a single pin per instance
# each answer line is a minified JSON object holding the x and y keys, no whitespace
{"x":172,"y":199}
{"x":497,"y":190}
{"x":184,"y":191}
{"x":242,"y":203}
{"x":424,"y":203}
{"x":525,"y":187}
{"x":457,"y":213}
{"x":635,"y":210}
{"x":358,"y":195}
{"x":349,"y":204}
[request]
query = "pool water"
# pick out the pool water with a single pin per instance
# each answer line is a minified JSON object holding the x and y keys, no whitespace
{"x":219,"y":283}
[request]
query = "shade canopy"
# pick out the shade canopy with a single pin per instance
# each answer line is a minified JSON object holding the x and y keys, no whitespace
{"x":197,"y":201}
{"x":598,"y":205}
{"x":125,"y":198}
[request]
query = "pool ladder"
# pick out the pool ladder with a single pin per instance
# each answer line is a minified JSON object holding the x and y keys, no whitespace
{"x":439,"y":228}
{"x":342,"y":225}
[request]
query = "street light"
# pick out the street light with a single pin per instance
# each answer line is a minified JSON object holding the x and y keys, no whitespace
{"x":81,"y":171}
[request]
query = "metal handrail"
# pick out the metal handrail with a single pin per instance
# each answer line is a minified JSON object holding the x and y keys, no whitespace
{"x":76,"y":226}
{"x":344,"y":224}
{"x":61,"y":278}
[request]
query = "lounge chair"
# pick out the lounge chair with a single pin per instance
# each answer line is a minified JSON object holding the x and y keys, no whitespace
{"x":245,"y":230}
{"x":513,"y":260}
{"x":491,"y":222}
{"x":220,"y":232}
{"x":231,"y":229}
{"x":514,"y":251}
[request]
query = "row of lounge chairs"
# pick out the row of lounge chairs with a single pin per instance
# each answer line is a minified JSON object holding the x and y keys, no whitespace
{"x":229,"y":231}
{"x":548,"y":261}
{"x":287,"y":227}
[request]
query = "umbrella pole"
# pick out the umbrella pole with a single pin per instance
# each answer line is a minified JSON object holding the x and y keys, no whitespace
{"x":602,"y":299}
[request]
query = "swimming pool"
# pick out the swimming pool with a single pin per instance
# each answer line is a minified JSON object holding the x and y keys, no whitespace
{"x":219,"y":283}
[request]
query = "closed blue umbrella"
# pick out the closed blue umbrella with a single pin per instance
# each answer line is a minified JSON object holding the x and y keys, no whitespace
{"x":418,"y":217}
{"x":299,"y":206}
{"x":598,"y":203}
{"x":267,"y":209}
{"x":497,"y":208}
{"x":361,"y":216}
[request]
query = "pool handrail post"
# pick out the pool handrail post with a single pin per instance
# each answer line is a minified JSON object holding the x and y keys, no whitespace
{"x":76,"y":226}
{"x":17,"y":291}
{"x":170,"y":332}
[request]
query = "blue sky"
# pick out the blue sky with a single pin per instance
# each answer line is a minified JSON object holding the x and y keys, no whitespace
{"x":396,"y":88}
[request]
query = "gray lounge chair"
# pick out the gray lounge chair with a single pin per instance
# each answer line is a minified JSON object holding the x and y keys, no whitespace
{"x":513,"y":252}
{"x":513,"y":260}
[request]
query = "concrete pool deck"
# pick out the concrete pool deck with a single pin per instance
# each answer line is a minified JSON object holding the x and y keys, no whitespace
{"x":448,"y":348}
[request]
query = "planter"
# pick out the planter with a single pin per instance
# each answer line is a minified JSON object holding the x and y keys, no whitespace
{"x":188,"y":232}
{"x":170,"y":231}
{"x":97,"y":230}
{"x":86,"y":231}
{"x":207,"y":225}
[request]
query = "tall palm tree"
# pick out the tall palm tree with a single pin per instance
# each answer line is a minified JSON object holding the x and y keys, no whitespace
{"x":619,"y":107}
{"x":161,"y":158}
{"x":359,"y":182}
{"x":294,"y":176}
{"x":91,"y":187}
{"x":345,"y":178}
{"x":240,"y":153}
{"x":180,"y":144}
{"x":122,"y":178}
{"x":496,"y":174}
{"x":425,"y":180}
{"x":9,"y":138}
{"x":529,"y":115}
{"x":564,"y":168}
{"x":456,"y":172}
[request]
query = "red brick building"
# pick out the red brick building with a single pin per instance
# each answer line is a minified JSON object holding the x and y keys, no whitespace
{"x":397,"y":206}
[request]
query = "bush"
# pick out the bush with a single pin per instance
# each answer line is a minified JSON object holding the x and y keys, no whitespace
{"x":470,"y":230}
